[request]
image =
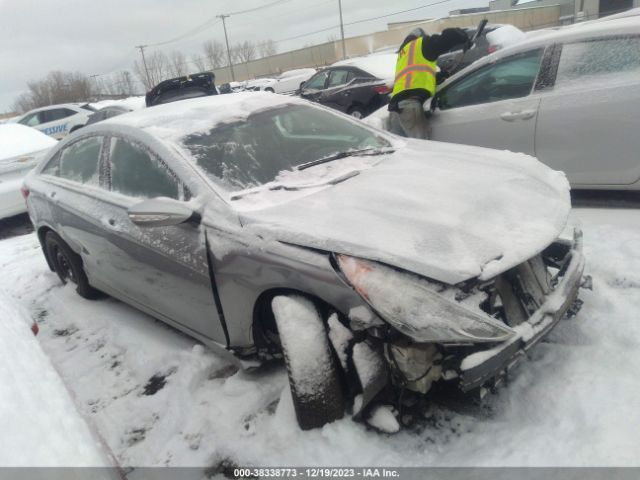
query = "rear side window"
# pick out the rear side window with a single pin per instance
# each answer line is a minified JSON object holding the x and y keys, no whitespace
{"x":583,"y":61}
{"x":55,"y":114}
{"x":136,"y":172}
{"x":510,"y":78}
{"x":79,"y":162}
{"x":340,"y":77}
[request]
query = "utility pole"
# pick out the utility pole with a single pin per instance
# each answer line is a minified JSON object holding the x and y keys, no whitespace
{"x":226,"y":39}
{"x":95,"y":80}
{"x":344,"y":48}
{"x":144,"y":62}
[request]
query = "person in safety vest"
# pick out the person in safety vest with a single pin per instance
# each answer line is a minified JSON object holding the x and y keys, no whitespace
{"x":415,"y":79}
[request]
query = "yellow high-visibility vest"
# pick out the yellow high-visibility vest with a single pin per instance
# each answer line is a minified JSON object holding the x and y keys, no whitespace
{"x":413,"y":70}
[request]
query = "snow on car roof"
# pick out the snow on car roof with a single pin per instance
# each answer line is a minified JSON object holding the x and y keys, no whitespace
{"x":173,"y":121}
{"x":17,"y":139}
{"x":38,"y":418}
{"x":382,"y":65}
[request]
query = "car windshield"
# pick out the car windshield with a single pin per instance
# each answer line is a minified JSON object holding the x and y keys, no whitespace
{"x":252,"y":152}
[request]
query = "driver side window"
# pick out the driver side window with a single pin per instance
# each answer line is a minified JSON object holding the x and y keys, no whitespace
{"x":317,"y":82}
{"x":513,"y":77}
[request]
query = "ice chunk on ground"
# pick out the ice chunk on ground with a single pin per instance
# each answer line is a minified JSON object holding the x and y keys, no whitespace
{"x":383,"y":419}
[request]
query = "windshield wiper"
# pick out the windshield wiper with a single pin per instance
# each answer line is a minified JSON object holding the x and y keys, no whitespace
{"x":345,"y":154}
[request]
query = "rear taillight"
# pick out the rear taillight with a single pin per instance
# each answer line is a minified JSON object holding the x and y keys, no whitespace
{"x":25,"y":192}
{"x":492,"y":48}
{"x":382,"y":89}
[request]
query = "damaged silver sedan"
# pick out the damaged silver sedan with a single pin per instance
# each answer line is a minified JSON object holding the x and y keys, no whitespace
{"x":267,"y":228}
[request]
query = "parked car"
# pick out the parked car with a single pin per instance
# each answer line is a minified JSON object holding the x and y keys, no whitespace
{"x":502,"y":35}
{"x":356,"y":86}
{"x":181,"y":88}
{"x":20,"y":150}
{"x":58,"y":121}
{"x":289,"y":81}
{"x":570,"y":97}
{"x":256,"y":84}
{"x":265,"y":225}
{"x":106,"y":112}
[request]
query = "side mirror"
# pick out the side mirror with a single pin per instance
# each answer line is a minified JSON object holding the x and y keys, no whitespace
{"x":161,"y":212}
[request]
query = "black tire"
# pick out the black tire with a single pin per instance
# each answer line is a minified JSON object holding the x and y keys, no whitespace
{"x":68,"y":265}
{"x":269,"y":89}
{"x":313,"y":375}
{"x":357,"y":111}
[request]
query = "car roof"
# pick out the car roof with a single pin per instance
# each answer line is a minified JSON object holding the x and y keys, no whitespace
{"x":621,"y":26}
{"x":175,"y":120}
{"x":380,"y":65}
{"x":58,"y":105}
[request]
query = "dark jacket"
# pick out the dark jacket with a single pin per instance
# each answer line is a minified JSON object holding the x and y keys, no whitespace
{"x":432,"y":47}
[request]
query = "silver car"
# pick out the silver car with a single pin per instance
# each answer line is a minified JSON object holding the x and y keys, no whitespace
{"x":570,"y":97}
{"x":266,"y":226}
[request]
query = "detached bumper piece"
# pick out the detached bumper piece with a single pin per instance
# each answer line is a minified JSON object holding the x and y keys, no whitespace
{"x":535,"y":300}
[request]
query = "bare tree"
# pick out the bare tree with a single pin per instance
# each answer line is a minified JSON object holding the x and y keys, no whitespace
{"x":267,"y":48}
{"x":199,"y":62}
{"x":56,"y":87}
{"x":158,"y":68}
{"x":214,"y":53}
{"x":178,"y":65}
{"x":244,"y":52}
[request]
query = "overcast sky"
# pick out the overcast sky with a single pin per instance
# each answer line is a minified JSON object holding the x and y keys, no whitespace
{"x":98,"y":36}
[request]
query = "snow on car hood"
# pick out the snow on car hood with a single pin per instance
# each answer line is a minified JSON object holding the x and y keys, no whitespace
{"x":448,"y":212}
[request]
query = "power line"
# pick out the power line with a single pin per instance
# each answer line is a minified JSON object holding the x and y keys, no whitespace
{"x":370,"y":19}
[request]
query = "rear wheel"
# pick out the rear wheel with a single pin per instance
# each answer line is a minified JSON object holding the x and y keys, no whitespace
{"x":269,"y":89}
{"x":357,"y":111}
{"x":68,"y":265}
{"x":313,"y":375}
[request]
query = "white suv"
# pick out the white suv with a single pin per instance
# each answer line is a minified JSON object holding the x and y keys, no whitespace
{"x":58,"y":121}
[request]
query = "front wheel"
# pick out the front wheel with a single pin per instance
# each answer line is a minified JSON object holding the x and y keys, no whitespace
{"x":68,"y":265}
{"x":313,"y":375}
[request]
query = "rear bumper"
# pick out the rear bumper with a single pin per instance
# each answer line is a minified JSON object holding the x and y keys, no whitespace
{"x":483,"y":367}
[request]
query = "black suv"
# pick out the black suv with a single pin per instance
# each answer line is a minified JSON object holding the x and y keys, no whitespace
{"x":181,"y":88}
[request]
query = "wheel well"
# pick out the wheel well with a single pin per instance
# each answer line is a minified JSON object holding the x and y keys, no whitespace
{"x":75,"y":127}
{"x":357,"y":105}
{"x":265,"y":331}
{"x":42,"y":233}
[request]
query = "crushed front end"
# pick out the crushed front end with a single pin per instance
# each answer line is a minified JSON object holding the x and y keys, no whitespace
{"x":470,"y":334}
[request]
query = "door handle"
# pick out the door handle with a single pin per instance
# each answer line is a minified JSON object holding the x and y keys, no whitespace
{"x":522,"y":115}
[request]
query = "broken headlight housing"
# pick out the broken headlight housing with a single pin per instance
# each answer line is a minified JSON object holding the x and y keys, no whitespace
{"x":417,"y":307}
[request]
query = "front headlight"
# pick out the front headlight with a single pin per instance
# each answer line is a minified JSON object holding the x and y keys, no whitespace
{"x":416,"y":307}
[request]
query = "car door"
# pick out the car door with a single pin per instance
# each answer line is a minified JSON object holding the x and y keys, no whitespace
{"x":339,"y":92}
{"x":494,"y":106}
{"x":587,"y":123}
{"x":54,"y":122}
{"x":74,"y":196}
{"x":162,"y":269}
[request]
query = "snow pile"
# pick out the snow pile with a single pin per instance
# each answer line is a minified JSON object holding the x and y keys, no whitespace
{"x":381,"y":65}
{"x":505,"y":36}
{"x":39,"y":423}
{"x":572,"y":402}
{"x":382,"y":418}
{"x":17,"y":139}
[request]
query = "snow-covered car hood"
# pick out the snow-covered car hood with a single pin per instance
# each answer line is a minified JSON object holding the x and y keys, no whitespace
{"x":448,"y":212}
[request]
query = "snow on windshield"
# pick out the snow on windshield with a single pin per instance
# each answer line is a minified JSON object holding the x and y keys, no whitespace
{"x":247,"y":153}
{"x":16,"y":139}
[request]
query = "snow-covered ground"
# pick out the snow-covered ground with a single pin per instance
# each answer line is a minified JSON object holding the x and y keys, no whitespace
{"x":159,"y":398}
